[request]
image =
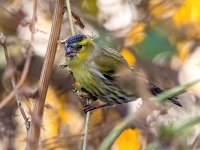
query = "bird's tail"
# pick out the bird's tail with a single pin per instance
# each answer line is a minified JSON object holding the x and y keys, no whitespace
{"x":155,"y":90}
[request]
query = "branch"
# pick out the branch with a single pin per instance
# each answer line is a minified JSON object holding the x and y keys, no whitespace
{"x":38,"y":106}
{"x":15,"y":91}
{"x":11,"y":95}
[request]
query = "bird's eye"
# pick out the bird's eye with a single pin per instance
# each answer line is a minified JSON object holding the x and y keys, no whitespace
{"x":79,"y":46}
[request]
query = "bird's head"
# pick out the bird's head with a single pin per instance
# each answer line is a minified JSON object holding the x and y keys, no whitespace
{"x":77,"y":43}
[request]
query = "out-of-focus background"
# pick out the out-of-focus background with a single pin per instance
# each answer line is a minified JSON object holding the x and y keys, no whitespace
{"x":161,"y":38}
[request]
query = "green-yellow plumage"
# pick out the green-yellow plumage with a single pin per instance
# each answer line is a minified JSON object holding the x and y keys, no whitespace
{"x":101,"y":71}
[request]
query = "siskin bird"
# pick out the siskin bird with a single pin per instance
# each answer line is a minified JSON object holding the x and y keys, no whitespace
{"x":103,"y":72}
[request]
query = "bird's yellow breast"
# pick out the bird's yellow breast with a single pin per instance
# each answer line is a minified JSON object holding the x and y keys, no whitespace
{"x":81,"y":68}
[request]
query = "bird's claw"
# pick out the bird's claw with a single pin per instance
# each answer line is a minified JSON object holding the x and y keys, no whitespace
{"x":88,"y":107}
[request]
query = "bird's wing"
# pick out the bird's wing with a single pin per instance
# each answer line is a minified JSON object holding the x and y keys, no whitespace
{"x":115,"y":69}
{"x":108,"y":60}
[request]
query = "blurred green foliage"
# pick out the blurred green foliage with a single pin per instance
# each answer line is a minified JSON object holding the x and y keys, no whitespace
{"x":156,"y":42}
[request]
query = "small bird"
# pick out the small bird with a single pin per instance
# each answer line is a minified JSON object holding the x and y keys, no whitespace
{"x":103,"y":72}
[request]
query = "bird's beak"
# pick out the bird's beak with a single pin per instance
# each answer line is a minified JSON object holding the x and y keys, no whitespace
{"x":68,"y":51}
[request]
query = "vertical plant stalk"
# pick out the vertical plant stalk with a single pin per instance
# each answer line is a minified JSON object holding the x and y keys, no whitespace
{"x":39,"y":102}
{"x":70,"y":17}
{"x":86,"y":128}
{"x":88,"y":101}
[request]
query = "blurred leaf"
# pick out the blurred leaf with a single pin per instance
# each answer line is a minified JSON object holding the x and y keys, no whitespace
{"x":104,"y":41}
{"x":128,"y":140}
{"x":155,"y":42}
{"x":130,"y":58}
{"x":2,"y":59}
{"x":162,"y":9}
{"x":61,"y":119}
{"x":136,"y":35}
{"x":187,"y":13}
{"x":187,"y":19}
{"x":89,"y":6}
{"x":184,"y":49}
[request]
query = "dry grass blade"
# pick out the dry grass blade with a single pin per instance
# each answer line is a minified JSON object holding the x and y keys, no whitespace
{"x":39,"y":102}
{"x":78,"y":20}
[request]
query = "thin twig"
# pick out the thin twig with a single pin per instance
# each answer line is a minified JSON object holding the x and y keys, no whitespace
{"x":11,"y":95}
{"x":39,"y":102}
{"x":34,"y":18}
{"x":70,"y":17}
{"x":26,"y":119}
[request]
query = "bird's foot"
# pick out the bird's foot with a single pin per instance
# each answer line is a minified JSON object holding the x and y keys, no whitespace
{"x":89,"y":107}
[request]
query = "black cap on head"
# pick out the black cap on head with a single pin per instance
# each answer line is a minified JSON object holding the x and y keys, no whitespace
{"x":71,"y":45}
{"x":75,"y":38}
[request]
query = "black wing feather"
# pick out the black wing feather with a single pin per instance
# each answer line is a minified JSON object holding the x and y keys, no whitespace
{"x":155,"y":90}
